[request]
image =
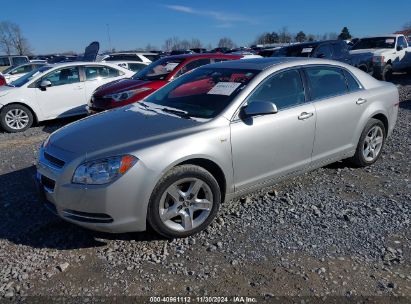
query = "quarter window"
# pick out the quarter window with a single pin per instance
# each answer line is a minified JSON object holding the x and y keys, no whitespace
{"x":63,"y":76}
{"x":353,"y":84}
{"x":326,"y":82}
{"x":99,"y":72}
{"x":285,"y":90}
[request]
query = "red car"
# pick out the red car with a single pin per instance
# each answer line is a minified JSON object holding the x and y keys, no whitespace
{"x":154,"y":76}
{"x":2,"y":80}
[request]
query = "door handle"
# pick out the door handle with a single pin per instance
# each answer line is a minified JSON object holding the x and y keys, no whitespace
{"x":361,"y":101}
{"x":305,"y":115}
{"x":78,"y":88}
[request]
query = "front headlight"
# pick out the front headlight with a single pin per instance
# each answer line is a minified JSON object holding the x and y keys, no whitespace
{"x":126,"y":94}
{"x":103,"y":171}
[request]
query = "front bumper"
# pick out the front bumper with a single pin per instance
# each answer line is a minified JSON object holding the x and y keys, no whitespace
{"x":120,"y":206}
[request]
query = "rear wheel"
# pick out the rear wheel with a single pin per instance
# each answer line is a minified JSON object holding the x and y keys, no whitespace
{"x":370,"y":145}
{"x":16,"y":118}
{"x":184,"y":202}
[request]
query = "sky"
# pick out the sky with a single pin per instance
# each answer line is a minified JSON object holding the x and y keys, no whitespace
{"x":58,"y":26}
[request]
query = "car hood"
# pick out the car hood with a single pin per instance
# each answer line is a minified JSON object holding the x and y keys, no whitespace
{"x":121,"y":86}
{"x":127,"y":128}
{"x":374,"y":52}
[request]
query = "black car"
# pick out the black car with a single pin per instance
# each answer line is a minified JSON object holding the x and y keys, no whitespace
{"x":328,"y":49}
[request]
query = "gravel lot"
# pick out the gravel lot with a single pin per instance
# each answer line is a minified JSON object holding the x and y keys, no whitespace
{"x":337,"y":231}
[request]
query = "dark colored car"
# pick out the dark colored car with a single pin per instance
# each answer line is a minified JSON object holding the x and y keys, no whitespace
{"x":154,"y":76}
{"x":328,"y":49}
{"x":199,"y":50}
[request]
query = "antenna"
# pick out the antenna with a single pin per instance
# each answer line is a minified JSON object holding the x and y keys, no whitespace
{"x":108,"y":36}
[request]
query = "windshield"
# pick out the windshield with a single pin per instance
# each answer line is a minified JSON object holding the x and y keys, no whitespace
{"x":202,"y":93}
{"x":9,"y":69}
{"x":159,"y":69}
{"x":29,"y":76}
{"x":375,"y":43}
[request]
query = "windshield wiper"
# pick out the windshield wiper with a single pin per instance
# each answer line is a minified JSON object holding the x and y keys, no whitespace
{"x":182,"y":114}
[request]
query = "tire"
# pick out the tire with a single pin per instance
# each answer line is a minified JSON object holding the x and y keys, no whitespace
{"x":23,"y":118}
{"x":386,"y":74}
{"x":176,"y":215}
{"x":368,"y":141}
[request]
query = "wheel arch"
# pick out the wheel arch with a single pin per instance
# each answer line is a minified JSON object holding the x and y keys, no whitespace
{"x":381,"y":117}
{"x":35,"y":117}
{"x":211,"y":167}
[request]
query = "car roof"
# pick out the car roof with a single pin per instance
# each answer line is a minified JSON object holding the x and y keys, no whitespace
{"x":132,"y":53}
{"x":264,"y":63}
{"x":383,"y":36}
{"x":204,"y":55}
{"x":75,"y":63}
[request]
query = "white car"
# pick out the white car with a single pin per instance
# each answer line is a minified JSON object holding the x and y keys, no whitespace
{"x":53,"y":91}
{"x":14,"y":73}
{"x":390,"y":53}
{"x":136,"y":57}
{"x":131,"y":65}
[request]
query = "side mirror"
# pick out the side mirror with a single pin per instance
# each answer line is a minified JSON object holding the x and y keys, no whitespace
{"x":399,"y":48}
{"x":259,"y":108}
{"x":45,"y":84}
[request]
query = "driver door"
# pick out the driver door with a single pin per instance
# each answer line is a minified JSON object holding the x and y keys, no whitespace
{"x":270,"y":146}
{"x":65,"y":97}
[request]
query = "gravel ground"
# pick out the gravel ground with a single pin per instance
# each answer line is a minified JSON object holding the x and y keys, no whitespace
{"x":337,"y":231}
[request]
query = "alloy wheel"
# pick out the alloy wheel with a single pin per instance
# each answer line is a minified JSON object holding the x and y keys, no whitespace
{"x":16,"y":119}
{"x":186,"y":204}
{"x":373,"y":143}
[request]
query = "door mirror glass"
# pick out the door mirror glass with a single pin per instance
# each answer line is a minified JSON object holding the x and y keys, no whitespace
{"x":45,"y":84}
{"x":259,"y":108}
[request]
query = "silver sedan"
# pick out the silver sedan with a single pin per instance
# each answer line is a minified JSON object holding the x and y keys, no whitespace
{"x":214,"y":134}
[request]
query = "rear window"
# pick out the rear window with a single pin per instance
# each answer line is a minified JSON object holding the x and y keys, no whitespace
{"x":326,"y":82}
{"x":19,"y":60}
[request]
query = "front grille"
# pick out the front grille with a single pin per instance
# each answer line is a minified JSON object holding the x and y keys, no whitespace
{"x":87,"y":217}
{"x":47,"y":183}
{"x":54,"y":160}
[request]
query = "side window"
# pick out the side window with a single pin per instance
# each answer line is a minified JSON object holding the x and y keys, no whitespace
{"x":98,"y":72}
{"x":326,"y":82}
{"x":19,"y":60}
{"x":22,"y":69}
{"x":402,"y":42}
{"x":63,"y":76}
{"x":4,"y":61}
{"x":353,"y":84}
{"x":323,"y":51}
{"x":192,"y":65}
{"x":285,"y":90}
{"x":135,"y":67}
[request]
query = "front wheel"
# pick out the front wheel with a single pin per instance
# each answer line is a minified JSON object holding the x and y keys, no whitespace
{"x":387,"y":72}
{"x":16,"y":118}
{"x":370,"y":145}
{"x":184,"y":202}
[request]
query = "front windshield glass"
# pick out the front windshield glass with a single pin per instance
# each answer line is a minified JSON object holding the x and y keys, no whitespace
{"x":29,"y":76}
{"x":8,"y":70}
{"x":375,"y":43}
{"x":202,"y":93}
{"x":158,"y":70}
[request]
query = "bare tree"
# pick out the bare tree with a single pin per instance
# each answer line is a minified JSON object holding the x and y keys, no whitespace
{"x":168,"y":44}
{"x":226,"y":42}
{"x":12,"y":39}
{"x":196,"y":43}
{"x":407,"y":26}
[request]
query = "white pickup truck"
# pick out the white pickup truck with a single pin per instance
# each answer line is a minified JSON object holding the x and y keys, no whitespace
{"x":390,"y":53}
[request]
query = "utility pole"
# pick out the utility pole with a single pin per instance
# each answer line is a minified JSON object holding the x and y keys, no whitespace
{"x":108,"y":36}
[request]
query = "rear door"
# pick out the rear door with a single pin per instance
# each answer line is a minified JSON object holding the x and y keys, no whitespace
{"x":339,"y":102}
{"x":65,"y":97}
{"x":97,"y":75}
